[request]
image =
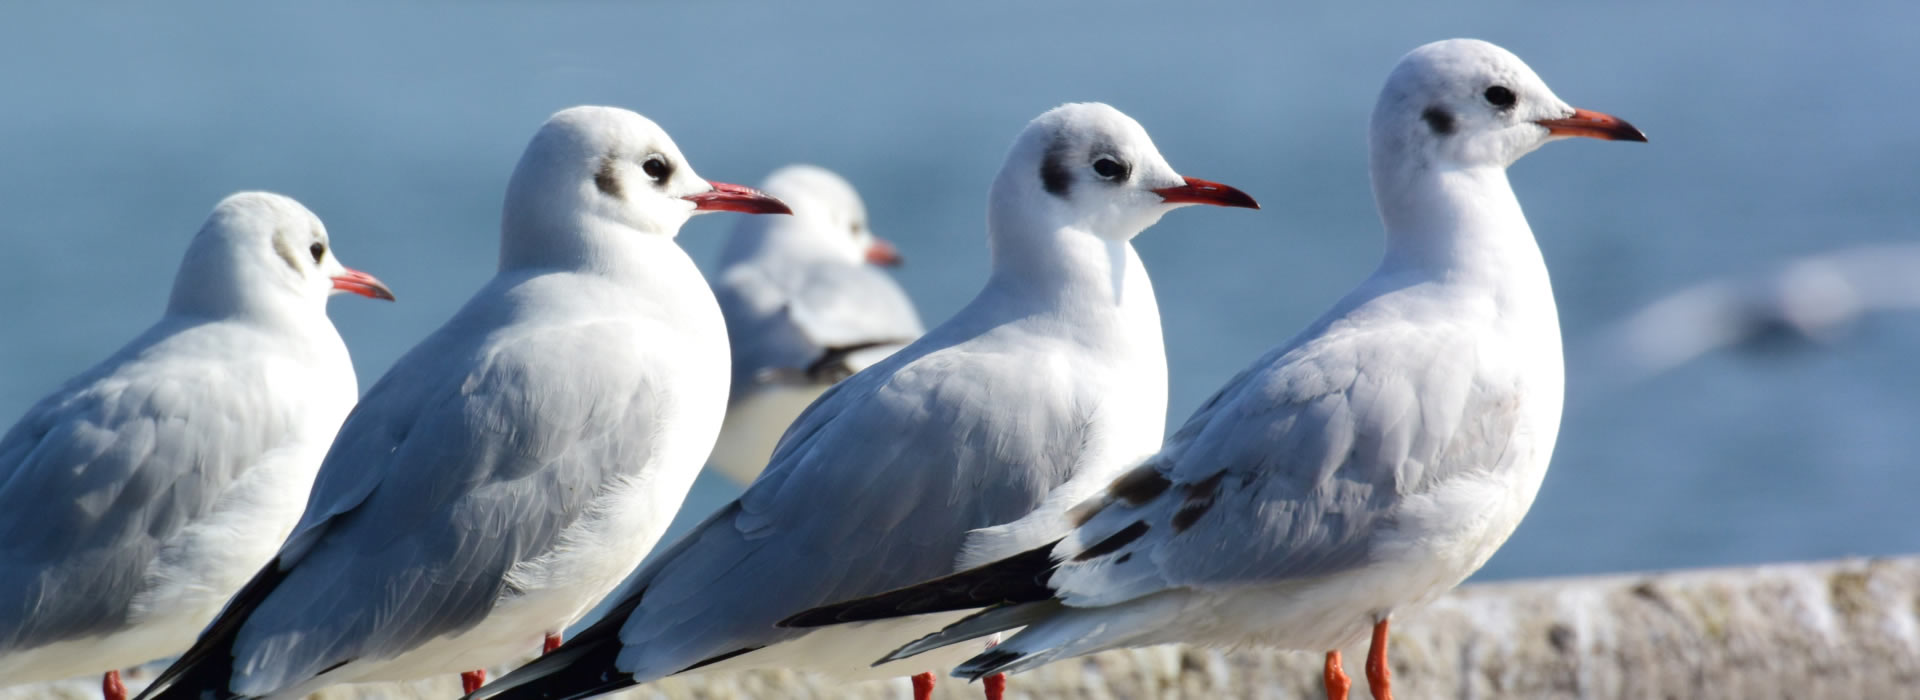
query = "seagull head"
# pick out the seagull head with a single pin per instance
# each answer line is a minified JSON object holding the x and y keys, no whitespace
{"x":829,"y":218}
{"x":259,"y":249}
{"x":1088,"y":166}
{"x":1464,"y":103}
{"x":593,"y":171}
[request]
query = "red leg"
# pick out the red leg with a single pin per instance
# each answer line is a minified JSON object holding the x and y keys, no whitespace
{"x":923,"y":686}
{"x":1335,"y":677}
{"x":1378,"y":677}
{"x":111,"y":687}
{"x":472,"y":680}
{"x":552,"y":643}
{"x":996,"y":686}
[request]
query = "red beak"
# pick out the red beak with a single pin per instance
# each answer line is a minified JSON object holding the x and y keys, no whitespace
{"x":1198,"y":191}
{"x":362,"y":284}
{"x":726,"y":197}
{"x":883,"y":253}
{"x":1593,"y":125}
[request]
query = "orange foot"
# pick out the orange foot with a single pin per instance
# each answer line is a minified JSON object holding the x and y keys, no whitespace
{"x":111,"y":687}
{"x":472,"y":680}
{"x":1379,"y":679}
{"x":923,"y":686}
{"x":1335,"y":677}
{"x":996,"y":686}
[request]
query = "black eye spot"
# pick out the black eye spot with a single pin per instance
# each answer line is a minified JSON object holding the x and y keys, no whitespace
{"x":1499,"y":96}
{"x":319,"y":250}
{"x":1110,"y":169}
{"x":1438,"y":119}
{"x":656,"y":167}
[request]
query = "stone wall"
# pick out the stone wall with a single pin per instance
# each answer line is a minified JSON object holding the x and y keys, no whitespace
{"x":1842,"y":629}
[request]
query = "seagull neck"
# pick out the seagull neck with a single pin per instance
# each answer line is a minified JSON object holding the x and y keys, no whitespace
{"x":1457,"y":224}
{"x":587,"y":245}
{"x":1065,"y":266}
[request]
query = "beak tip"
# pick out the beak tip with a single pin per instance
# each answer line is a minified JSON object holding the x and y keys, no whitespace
{"x":1198,"y":191}
{"x":730,"y":197}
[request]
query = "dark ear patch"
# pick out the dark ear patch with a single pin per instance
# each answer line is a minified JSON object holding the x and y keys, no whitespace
{"x":1438,"y":119}
{"x":1053,"y":170}
{"x":285,"y":251}
{"x":606,"y":180}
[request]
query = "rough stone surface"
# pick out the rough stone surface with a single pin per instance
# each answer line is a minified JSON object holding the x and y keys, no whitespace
{"x":1843,"y":629}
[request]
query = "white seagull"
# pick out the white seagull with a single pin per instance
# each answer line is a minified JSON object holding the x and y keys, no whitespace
{"x":1367,"y":465}
{"x":516,"y":464}
{"x":140,"y":495}
{"x":1056,"y":368}
{"x":805,"y":307}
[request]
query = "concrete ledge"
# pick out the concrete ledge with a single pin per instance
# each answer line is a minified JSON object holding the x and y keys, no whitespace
{"x":1841,"y":629}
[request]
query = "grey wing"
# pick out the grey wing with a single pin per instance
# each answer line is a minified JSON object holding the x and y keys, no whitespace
{"x":1287,"y":473}
{"x":449,"y":474}
{"x":811,"y":322}
{"x":852,"y":305}
{"x":870,"y":490}
{"x":98,"y":476}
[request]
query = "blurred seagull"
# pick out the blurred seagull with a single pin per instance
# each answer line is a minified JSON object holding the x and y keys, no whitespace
{"x":139,"y":496}
{"x":1055,"y":369}
{"x":1367,"y":465}
{"x":508,"y":471}
{"x":1814,"y":300}
{"x":805,"y":308}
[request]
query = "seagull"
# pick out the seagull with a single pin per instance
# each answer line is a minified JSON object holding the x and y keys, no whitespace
{"x":1367,"y":465}
{"x":1054,"y":369}
{"x":140,"y":495}
{"x":805,"y":308}
{"x":1810,"y":301}
{"x":509,"y":470}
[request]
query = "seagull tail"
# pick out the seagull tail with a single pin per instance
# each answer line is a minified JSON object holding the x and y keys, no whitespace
{"x":1064,"y":632}
{"x":1021,"y":578}
{"x":975,"y":626}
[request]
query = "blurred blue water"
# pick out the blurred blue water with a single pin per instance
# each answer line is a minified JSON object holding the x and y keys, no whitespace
{"x":1778,"y":129}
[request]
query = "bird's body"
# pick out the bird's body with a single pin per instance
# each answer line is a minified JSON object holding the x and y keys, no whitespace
{"x":1055,"y":369}
{"x":805,"y":307}
{"x":145,"y":491}
{"x":1367,"y":465}
{"x":518,"y":462}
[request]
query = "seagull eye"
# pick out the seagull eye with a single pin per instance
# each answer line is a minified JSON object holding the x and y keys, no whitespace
{"x":1110,"y":169}
{"x":1500,"y":96}
{"x":657,"y":168}
{"x":319,"y":250}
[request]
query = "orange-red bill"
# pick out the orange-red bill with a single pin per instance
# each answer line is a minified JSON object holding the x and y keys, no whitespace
{"x":1593,"y":125}
{"x":362,"y":284}
{"x":730,"y":197}
{"x":881,"y":252}
{"x":1198,"y":191}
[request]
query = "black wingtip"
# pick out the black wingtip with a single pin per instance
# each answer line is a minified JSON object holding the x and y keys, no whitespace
{"x":582,"y":667}
{"x":1021,"y":578}
{"x":986,"y":664}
